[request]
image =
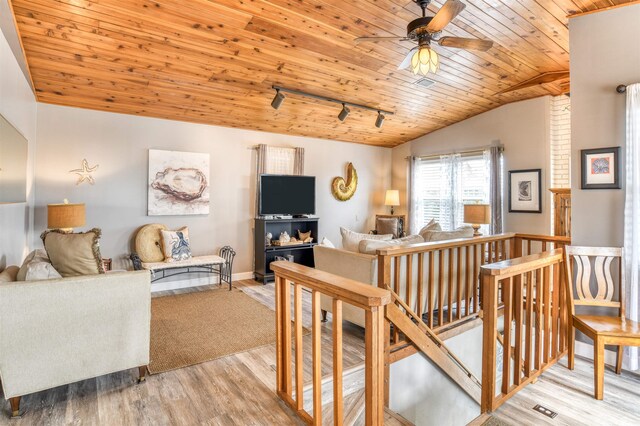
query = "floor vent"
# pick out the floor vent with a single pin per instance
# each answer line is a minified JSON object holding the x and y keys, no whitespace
{"x":424,"y":82}
{"x":540,"y":409}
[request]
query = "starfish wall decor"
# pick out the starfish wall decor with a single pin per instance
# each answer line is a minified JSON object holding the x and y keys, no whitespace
{"x":84,"y":173}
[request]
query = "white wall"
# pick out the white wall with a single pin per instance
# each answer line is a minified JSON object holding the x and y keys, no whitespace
{"x":117,"y":202}
{"x":604,"y":54}
{"x":18,"y":106}
{"x":523,"y":128}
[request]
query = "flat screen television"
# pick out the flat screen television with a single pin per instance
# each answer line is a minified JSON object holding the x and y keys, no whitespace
{"x":287,"y":195}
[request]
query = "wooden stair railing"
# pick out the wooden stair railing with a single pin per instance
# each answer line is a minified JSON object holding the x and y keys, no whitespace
{"x":561,"y":211}
{"x":412,"y":326}
{"x":530,"y":291}
{"x":342,"y":290}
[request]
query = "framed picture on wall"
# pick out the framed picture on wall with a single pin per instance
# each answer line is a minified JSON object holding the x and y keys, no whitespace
{"x":601,"y":168}
{"x":525,"y":191}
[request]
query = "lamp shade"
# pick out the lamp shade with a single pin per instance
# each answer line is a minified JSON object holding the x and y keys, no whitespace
{"x":392,"y":197}
{"x":479,"y":214}
{"x":65,"y":216}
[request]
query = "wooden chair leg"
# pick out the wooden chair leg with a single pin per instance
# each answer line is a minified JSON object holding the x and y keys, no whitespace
{"x":572,"y":348}
{"x":619,"y":360}
{"x":598,"y":365}
{"x":324,"y":315}
{"x":142,"y":371}
{"x":15,"y":407}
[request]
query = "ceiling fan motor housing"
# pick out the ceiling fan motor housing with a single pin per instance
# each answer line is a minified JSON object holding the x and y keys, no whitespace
{"x":418,"y":27}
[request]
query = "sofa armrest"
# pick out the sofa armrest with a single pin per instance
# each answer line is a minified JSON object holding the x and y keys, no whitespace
{"x":56,"y":332}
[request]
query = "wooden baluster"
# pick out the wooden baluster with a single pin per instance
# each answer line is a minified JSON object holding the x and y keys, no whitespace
{"x":459,"y":283}
{"x":544,"y":246}
{"x":476,"y":278}
{"x":279,"y":366}
{"x":338,"y":403}
{"x":539,"y":319}
{"x":431,"y":288}
{"x":555,"y":311}
{"x":420,"y":283}
{"x":286,"y":337}
{"x":316,"y":355}
{"x":468,"y":280}
{"x":563,"y":308}
{"x":505,"y":255}
{"x":297,"y":317}
{"x":396,"y":289}
{"x":530,"y":325}
{"x":518,"y":302}
{"x":489,"y":342}
{"x":374,"y":366}
{"x":507,"y":286}
{"x":528,"y":247}
{"x":440,"y":287}
{"x":547,"y":315}
{"x":450,"y":287}
{"x":409,"y":280}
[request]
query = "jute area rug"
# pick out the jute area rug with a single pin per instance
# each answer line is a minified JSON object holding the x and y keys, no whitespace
{"x":192,"y":328}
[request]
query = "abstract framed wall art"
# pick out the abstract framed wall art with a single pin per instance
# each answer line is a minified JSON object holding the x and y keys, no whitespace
{"x":178,"y":183}
{"x":601,"y":168}
{"x":525,"y":191}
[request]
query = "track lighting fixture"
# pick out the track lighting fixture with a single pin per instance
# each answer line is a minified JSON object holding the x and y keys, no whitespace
{"x":344,"y":113}
{"x":277,"y":99}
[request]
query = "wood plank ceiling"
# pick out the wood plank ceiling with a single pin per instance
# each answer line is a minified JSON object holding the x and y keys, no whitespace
{"x":214,"y":61}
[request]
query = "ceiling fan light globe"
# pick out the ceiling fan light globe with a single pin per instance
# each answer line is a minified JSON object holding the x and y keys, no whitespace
{"x":424,"y":69}
{"x":434,"y":58}
{"x":424,"y":55}
{"x":415,"y":60}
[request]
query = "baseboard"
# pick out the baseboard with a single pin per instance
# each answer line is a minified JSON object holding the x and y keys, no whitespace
{"x":196,"y":282}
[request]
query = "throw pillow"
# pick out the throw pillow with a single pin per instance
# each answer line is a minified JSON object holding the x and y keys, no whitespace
{"x":350,"y":239}
{"x":462,"y":232}
{"x":326,"y":243}
{"x":38,"y":255}
{"x":9,"y":274}
{"x":37,"y":270}
{"x":372,"y":246}
{"x":387,"y":225}
{"x":175,"y":245}
{"x":74,"y":254}
{"x":431,"y":226}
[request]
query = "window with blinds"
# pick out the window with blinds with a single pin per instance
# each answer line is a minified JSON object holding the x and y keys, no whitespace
{"x":448,"y":182}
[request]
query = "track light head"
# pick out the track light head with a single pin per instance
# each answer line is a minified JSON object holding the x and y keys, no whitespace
{"x":344,"y":113}
{"x":277,"y":99}
{"x":379,"y":120}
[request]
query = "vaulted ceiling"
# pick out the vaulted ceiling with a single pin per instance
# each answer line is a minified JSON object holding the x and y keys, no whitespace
{"x":215,"y":61}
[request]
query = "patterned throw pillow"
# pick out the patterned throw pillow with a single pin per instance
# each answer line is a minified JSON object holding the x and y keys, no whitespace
{"x":175,"y":245}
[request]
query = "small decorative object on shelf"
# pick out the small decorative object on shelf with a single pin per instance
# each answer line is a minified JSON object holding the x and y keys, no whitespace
{"x":304,"y":236}
{"x":284,"y":237}
{"x":268,"y":238}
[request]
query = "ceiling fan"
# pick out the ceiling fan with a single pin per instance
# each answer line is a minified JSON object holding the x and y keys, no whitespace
{"x":427,"y":29}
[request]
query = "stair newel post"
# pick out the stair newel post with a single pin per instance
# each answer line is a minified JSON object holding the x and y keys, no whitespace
{"x":384,"y":281}
{"x":374,"y":366}
{"x":489,"y":340}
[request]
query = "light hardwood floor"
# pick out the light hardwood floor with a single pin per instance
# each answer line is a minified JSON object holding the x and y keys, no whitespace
{"x":570,"y":394}
{"x":234,"y":390}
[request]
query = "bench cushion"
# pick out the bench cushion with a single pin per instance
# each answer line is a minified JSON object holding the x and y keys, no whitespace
{"x":194,"y":261}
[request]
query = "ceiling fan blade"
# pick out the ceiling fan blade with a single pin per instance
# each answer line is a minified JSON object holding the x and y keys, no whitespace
{"x":466,"y":43}
{"x":407,"y":60}
{"x":446,"y":14}
{"x":547,"y":77}
{"x":363,"y":39}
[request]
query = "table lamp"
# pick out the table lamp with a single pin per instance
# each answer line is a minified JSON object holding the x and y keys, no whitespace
{"x":65,"y":216}
{"x":392,"y":198}
{"x":476,"y":215}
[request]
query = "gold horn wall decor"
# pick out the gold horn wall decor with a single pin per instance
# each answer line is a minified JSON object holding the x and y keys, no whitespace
{"x":344,"y":190}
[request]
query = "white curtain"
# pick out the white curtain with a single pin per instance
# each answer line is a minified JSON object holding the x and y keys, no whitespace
{"x":450,"y":191}
{"x":632,"y":216}
{"x":416,"y":220}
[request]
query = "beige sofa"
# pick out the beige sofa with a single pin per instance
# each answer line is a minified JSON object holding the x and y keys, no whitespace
{"x":60,"y":331}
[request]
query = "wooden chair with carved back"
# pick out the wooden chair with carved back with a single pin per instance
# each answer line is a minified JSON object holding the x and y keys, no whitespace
{"x":594,"y":269}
